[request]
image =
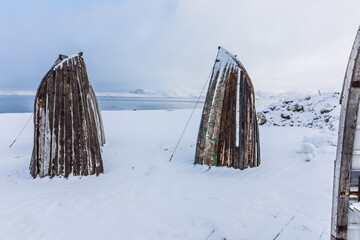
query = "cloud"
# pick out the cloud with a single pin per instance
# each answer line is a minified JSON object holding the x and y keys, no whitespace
{"x":164,"y":44}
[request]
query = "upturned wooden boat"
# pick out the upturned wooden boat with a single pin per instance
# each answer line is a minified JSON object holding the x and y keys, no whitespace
{"x":68,"y":130}
{"x":228,"y":133}
{"x":345,"y":222}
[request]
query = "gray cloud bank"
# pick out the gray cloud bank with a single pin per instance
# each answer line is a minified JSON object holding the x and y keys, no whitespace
{"x":172,"y":44}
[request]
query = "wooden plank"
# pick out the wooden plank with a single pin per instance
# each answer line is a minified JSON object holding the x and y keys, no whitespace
{"x":49,"y":126}
{"x":76,"y":125}
{"x":227,"y":134}
{"x":62,"y":129}
{"x":246,"y":125}
{"x":96,"y":109}
{"x":242,"y":145}
{"x":68,"y":119}
{"x":41,"y":131}
{"x":203,"y":131}
{"x":56,"y":148}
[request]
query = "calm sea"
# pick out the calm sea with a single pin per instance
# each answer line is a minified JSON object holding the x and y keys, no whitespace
{"x":23,"y":103}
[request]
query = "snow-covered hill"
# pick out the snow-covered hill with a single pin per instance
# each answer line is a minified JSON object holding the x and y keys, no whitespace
{"x":141,"y":93}
{"x":314,"y":111}
{"x":154,"y":93}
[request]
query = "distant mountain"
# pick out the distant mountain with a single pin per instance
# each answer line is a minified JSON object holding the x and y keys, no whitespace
{"x":154,"y":93}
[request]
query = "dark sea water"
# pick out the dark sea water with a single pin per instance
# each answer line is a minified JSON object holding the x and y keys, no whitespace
{"x":24,"y":103}
{"x":16,"y":103}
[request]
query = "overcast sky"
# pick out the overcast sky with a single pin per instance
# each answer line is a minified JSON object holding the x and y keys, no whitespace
{"x":170,"y":44}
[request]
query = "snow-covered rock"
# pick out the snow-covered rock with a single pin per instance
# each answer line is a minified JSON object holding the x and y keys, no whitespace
{"x":313,"y":111}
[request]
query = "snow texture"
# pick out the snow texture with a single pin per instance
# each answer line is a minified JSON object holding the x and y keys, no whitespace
{"x":313,"y":111}
{"x":60,"y":64}
{"x":144,"y":196}
{"x":312,"y":145}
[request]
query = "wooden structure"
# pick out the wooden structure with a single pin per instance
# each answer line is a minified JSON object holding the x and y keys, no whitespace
{"x":68,"y":130}
{"x":228,"y":134}
{"x":345,"y":222}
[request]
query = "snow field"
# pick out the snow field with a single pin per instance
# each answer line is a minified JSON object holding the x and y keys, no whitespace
{"x":144,"y":196}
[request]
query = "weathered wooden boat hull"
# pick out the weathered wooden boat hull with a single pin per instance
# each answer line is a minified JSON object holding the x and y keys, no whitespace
{"x":228,"y":133}
{"x":346,"y":222}
{"x":68,"y":130}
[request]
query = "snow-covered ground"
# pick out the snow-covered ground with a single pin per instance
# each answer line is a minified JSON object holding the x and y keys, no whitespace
{"x":144,"y":196}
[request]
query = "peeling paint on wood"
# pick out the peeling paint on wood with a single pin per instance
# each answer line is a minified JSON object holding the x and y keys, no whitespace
{"x":68,"y":130}
{"x":228,"y":134}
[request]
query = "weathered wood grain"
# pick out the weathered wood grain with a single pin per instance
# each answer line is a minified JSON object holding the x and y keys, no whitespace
{"x":68,"y":129}
{"x":350,"y":98}
{"x":228,"y":133}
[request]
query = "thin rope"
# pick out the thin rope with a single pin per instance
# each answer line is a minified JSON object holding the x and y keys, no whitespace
{"x":292,"y":218}
{"x":186,"y":125}
{"x":21,"y":131}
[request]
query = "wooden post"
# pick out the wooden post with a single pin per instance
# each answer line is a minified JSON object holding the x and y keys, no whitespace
{"x":68,"y":130}
{"x":228,"y":133}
